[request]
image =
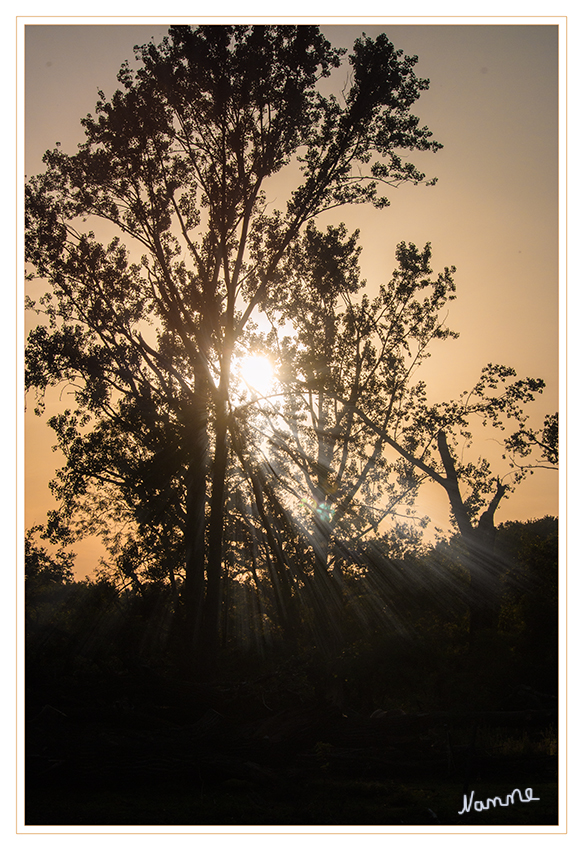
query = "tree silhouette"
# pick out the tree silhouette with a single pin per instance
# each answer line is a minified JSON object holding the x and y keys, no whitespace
{"x":158,"y":245}
{"x":358,"y":426}
{"x":426,"y":437}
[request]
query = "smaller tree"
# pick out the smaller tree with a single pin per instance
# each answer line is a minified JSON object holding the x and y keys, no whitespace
{"x":359,"y":428}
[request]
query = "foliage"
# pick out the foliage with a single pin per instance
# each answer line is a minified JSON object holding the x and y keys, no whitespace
{"x":530,"y":605}
{"x":405,"y":638}
{"x":43,"y":568}
{"x":545,"y":440}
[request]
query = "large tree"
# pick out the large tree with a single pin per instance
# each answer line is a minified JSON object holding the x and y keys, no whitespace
{"x":159,"y":246}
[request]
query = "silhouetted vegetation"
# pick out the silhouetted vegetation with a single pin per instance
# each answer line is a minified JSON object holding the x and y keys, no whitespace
{"x":270,"y":639}
{"x":398,"y":722}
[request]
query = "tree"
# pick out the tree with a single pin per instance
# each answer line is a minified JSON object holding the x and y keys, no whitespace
{"x":174,"y":169}
{"x":429,"y":443}
{"x":351,"y":367}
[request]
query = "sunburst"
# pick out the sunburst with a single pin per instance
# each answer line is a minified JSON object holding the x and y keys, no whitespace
{"x":257,"y":373}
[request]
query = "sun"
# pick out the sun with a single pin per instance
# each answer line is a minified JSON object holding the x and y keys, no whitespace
{"x":257,"y":372}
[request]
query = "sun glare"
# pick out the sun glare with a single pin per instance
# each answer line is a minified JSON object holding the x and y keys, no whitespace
{"x":257,"y":373}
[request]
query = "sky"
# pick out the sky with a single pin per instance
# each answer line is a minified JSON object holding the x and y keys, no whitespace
{"x":493,"y":214}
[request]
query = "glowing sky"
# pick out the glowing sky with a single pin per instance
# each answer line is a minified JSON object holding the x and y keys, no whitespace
{"x":492,"y":103}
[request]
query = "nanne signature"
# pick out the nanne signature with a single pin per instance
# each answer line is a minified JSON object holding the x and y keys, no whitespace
{"x":480,"y":805}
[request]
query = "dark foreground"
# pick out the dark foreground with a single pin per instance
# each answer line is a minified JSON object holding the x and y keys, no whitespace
{"x":153,"y":751}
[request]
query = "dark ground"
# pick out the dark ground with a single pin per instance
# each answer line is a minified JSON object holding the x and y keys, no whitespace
{"x":148,"y":749}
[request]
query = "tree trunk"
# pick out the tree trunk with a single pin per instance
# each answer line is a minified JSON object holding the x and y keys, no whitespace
{"x":196,"y":485}
{"x":485,"y":569}
{"x":210,"y":636}
{"x":481,"y":562}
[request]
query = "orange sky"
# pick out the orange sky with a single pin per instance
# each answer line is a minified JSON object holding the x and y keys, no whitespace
{"x":493,"y":214}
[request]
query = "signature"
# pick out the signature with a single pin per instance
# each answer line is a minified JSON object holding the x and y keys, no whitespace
{"x":480,"y":805}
